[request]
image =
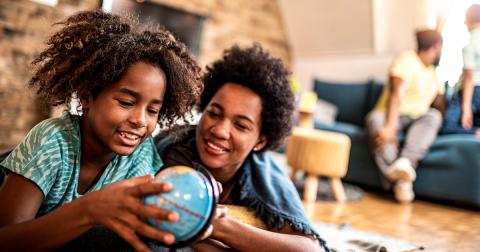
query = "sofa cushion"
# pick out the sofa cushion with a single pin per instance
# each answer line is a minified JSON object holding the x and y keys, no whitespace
{"x":350,"y":99}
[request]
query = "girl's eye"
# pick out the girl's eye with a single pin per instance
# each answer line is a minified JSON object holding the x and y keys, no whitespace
{"x":153,"y":111}
{"x":125,"y":103}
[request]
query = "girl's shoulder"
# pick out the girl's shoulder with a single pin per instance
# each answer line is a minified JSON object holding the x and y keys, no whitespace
{"x":54,"y":129}
{"x":47,"y":136}
{"x":47,"y":149}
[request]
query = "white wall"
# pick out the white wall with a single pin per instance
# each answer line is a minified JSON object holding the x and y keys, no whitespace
{"x":363,"y":36}
{"x":342,"y":68}
{"x":324,"y":26}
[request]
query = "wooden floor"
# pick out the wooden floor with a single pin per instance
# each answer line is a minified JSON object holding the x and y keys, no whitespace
{"x":436,"y":227}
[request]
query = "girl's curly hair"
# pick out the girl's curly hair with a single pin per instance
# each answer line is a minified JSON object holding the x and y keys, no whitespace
{"x":93,"y":49}
{"x":255,"y":69}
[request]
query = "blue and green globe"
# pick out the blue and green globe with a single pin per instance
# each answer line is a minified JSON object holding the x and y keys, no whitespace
{"x":193,"y":196}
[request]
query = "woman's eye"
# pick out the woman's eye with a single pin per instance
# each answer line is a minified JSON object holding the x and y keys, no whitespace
{"x":242,"y":127}
{"x":213,"y":114}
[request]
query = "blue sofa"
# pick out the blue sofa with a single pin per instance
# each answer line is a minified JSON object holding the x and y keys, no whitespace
{"x":449,"y":173}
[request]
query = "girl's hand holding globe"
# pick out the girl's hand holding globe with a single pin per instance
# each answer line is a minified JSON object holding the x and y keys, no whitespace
{"x":194,"y":197}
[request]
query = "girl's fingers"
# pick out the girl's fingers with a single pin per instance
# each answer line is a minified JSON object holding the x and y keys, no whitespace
{"x":149,"y":188}
{"x":137,"y":180}
{"x":141,"y":209}
{"x":146,"y":230}
{"x":154,"y":233}
{"x":129,"y":236}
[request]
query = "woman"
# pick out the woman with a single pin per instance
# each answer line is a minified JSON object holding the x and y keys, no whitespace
{"x":463,"y":114}
{"x":247,"y":109}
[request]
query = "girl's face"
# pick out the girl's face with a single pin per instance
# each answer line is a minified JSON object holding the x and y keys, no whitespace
{"x":229,"y":128}
{"x":124,"y":113}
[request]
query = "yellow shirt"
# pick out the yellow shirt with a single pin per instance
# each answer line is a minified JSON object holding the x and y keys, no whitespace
{"x":422,"y":85}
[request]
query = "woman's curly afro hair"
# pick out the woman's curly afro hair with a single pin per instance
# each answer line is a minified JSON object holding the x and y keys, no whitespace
{"x":93,"y":49}
{"x":254,"y":68}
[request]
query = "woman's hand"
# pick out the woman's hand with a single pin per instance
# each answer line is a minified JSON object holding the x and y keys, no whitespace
{"x":467,"y":118}
{"x":120,"y":208}
{"x":220,"y":211}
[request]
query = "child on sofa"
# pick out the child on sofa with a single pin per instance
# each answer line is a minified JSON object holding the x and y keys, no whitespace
{"x":75,"y":172}
{"x":463,"y":114}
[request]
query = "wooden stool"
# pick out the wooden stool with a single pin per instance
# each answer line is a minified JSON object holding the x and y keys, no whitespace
{"x":319,"y":153}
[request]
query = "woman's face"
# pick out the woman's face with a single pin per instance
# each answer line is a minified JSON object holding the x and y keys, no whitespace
{"x":124,"y":113}
{"x":229,"y":128}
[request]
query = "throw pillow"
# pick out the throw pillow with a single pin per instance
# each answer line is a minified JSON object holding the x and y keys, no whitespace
{"x":325,"y":112}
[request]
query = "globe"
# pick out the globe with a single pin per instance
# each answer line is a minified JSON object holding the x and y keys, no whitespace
{"x":193,"y":196}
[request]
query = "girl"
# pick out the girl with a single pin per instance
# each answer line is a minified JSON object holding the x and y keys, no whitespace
{"x":76,"y":172}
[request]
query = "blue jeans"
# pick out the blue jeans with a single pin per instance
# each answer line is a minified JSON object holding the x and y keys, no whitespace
{"x":453,"y":122}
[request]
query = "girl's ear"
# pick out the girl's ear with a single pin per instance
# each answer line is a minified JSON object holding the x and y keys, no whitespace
{"x":262,"y":141}
{"x":86,"y":101}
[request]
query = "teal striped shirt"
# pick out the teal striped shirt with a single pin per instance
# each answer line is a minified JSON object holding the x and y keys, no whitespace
{"x":50,"y":157}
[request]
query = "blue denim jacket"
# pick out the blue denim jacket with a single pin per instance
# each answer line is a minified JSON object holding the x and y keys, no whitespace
{"x":261,"y":185}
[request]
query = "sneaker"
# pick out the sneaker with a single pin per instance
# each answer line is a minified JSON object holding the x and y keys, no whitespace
{"x":403,"y":191}
{"x":401,"y":169}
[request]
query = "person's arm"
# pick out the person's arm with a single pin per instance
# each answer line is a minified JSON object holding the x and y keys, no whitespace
{"x":439,"y":103}
{"x":467,"y":93}
{"x":117,"y":207}
{"x":389,"y":130}
{"x":227,"y":230}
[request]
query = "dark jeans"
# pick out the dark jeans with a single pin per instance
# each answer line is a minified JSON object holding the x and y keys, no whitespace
{"x":453,"y":117}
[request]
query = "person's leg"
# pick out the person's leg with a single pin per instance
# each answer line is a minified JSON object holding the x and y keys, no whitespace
{"x":401,"y":168}
{"x":421,"y":133}
{"x":420,"y":136}
{"x":384,"y":155}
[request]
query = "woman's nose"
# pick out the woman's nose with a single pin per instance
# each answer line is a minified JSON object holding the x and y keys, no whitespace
{"x":221,"y":130}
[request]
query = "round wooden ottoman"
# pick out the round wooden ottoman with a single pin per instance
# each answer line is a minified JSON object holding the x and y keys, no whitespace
{"x":319,"y":153}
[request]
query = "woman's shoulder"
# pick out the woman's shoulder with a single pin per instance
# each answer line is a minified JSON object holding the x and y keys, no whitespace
{"x":177,"y":147}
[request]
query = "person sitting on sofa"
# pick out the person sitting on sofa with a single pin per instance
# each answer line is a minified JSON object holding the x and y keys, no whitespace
{"x":463,"y":114}
{"x":405,"y":105}
{"x":247,"y":109}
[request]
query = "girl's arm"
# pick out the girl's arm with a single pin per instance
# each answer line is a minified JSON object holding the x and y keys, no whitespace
{"x":243,"y":237}
{"x":116,"y":207}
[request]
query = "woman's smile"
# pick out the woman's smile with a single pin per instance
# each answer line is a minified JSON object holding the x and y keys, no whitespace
{"x":215,"y":149}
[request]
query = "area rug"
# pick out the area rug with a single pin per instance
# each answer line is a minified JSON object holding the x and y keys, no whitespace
{"x":344,"y":238}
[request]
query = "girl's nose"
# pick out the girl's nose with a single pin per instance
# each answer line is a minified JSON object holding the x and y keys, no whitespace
{"x":138,"y":118}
